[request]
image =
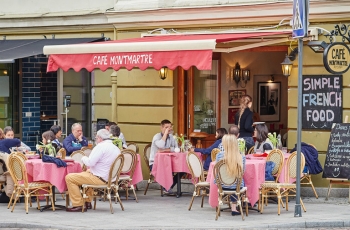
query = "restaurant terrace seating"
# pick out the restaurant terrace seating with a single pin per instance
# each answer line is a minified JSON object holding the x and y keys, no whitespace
{"x":23,"y":187}
{"x":133,"y":146}
{"x":125,"y":179}
{"x":146,"y":155}
{"x":77,"y":156}
{"x":221,"y":177}
{"x":111,"y":185}
{"x":284,"y":189}
{"x":200,"y":185}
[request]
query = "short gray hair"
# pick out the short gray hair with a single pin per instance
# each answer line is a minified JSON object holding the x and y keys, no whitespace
{"x":75,"y":125}
{"x":104,"y":134}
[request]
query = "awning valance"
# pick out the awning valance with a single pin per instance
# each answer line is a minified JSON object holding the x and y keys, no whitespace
{"x":157,"y":51}
{"x":14,"y":49}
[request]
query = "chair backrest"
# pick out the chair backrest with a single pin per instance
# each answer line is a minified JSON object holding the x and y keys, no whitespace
{"x":17,"y":169}
{"x":277,"y":157}
{"x":130,"y":159}
{"x":292,"y":166}
{"x":312,"y":145}
{"x":63,"y":153}
{"x":222,"y":178}
{"x":195,"y":166}
{"x":133,"y":146}
{"x":213,"y":153}
{"x":77,"y":156}
{"x":115,"y":169}
{"x":147,"y":153}
{"x":86,"y":151}
{"x":20,"y":155}
{"x":250,"y":151}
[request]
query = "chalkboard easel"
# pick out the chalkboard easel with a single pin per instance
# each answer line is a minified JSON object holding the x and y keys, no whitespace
{"x":342,"y":181}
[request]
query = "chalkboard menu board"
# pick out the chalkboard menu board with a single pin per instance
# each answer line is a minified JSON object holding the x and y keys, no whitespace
{"x":337,"y":164}
{"x":322,"y":100}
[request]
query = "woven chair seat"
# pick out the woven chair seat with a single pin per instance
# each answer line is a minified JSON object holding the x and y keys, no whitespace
{"x":203,"y":183}
{"x":37,"y":184}
{"x":95,"y":186}
{"x":124,"y":177}
{"x":278,"y":185}
{"x":230,"y":192}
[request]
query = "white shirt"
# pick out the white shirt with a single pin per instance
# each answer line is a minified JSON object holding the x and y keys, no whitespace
{"x":121,"y":136}
{"x":101,"y":158}
{"x":159,"y":143}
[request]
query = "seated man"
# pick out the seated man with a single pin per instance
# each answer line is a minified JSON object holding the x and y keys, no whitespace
{"x":99,"y":161}
{"x":75,"y":140}
{"x":232,"y":130}
{"x":163,"y":142}
{"x":121,"y":135}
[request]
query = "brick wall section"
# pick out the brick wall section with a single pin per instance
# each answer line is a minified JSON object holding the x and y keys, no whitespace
{"x":39,"y":93}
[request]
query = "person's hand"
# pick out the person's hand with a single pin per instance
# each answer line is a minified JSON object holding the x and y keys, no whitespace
{"x":191,"y":149}
{"x":80,"y":137}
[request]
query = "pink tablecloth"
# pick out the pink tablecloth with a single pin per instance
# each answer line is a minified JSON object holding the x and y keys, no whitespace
{"x":42,"y":171}
{"x":137,"y":177}
{"x":165,"y":164}
{"x":254,"y":175}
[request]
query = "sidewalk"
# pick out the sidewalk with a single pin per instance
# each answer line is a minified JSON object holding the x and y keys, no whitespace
{"x":169,"y":212}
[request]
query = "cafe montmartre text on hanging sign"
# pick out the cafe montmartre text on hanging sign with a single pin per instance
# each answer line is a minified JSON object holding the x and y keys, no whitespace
{"x":322,"y":101}
{"x":337,"y":162}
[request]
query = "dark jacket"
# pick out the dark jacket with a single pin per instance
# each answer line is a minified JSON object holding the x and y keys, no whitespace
{"x":70,"y":141}
{"x":246,"y":123}
{"x":6,"y":144}
{"x":311,"y":158}
{"x":207,"y":151}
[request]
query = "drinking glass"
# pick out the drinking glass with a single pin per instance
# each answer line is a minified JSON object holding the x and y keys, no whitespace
{"x":90,"y":144}
{"x":258,"y":151}
{"x":284,"y":149}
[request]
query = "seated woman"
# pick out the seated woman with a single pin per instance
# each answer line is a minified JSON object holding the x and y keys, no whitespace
{"x":115,"y":131}
{"x":49,"y":137}
{"x":7,"y":144}
{"x":218,"y":135}
{"x":56,"y":129}
{"x":262,"y":142}
{"x":9,"y":134}
{"x":235,"y":165}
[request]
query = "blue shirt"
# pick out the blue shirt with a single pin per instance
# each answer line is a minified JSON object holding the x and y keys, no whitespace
{"x":207,"y":151}
{"x":72,"y":144}
{"x":6,"y":144}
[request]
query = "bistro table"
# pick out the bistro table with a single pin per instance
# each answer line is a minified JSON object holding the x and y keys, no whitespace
{"x":165,"y":164}
{"x":254,"y":175}
{"x":37,"y":170}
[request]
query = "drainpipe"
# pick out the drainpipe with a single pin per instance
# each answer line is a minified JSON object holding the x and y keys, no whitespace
{"x":114,"y":96}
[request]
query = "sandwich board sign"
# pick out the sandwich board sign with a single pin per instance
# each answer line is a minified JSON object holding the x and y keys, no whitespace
{"x":300,"y":18}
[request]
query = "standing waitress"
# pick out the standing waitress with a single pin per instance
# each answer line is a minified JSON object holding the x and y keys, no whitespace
{"x":244,"y":120}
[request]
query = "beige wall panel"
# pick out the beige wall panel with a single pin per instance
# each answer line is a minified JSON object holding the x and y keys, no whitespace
{"x":292,"y":97}
{"x":76,"y":94}
{"x":148,"y":77}
{"x":102,"y":95}
{"x":102,"y":78}
{"x":292,"y":118}
{"x":103,"y":111}
{"x":126,"y":35}
{"x":318,"y":138}
{"x":145,"y":169}
{"x":138,"y":114}
{"x":142,"y":96}
{"x":139,"y":133}
{"x":75,"y":112}
{"x":72,"y":78}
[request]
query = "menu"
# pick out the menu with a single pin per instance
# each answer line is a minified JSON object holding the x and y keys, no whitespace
{"x":337,"y":163}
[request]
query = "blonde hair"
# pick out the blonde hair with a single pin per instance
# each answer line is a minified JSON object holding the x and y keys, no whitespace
{"x":232,"y":157}
{"x":243,"y":104}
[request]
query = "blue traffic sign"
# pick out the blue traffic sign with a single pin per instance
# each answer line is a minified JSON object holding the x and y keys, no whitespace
{"x":300,"y":16}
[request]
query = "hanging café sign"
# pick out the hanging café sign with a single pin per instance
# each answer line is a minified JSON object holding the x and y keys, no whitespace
{"x":336,"y":58}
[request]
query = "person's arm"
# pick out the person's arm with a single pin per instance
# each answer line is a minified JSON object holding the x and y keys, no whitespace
{"x":219,"y":156}
{"x":267,"y":146}
{"x":209,"y":149}
{"x":9,"y":143}
{"x":67,"y":144}
{"x":249,"y":122}
{"x":93,"y":158}
{"x":25,"y":146}
{"x":83,"y":142}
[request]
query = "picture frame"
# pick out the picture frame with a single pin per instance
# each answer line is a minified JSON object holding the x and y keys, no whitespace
{"x":269,"y":101}
{"x":234,"y":96}
{"x":231,"y":115}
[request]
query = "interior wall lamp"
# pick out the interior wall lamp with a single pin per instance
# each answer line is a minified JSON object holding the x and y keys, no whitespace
{"x":241,"y":77}
{"x":272,"y":79}
{"x":287,"y":63}
{"x":317,"y":46}
{"x":3,"y":71}
{"x":163,"y":72}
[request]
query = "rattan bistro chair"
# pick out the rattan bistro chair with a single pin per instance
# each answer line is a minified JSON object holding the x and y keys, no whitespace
{"x":77,"y":156}
{"x":213,"y":153}
{"x":87,"y":151}
{"x":222,"y":178}
{"x":200,"y":185}
{"x":146,"y":156}
{"x":111,"y":185}
{"x":284,"y":189}
{"x":125,"y":180}
{"x":306,"y":178}
{"x":23,"y":187}
{"x":250,"y":151}
{"x":133,"y":146}
{"x":63,"y":153}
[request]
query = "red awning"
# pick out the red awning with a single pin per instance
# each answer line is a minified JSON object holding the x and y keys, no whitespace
{"x":156,"y":51}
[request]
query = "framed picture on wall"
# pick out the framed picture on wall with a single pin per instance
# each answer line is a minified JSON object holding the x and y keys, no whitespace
{"x":231,"y":115}
{"x":234,"y":96}
{"x":269,"y":101}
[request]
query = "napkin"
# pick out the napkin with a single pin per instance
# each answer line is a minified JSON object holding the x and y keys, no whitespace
{"x":57,"y":161}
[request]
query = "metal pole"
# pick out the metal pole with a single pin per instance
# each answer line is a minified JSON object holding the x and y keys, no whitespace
{"x":297,"y":211}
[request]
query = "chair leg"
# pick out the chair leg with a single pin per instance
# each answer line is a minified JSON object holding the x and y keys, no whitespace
{"x":279,"y":201}
{"x":67,"y":199}
{"x":12,"y":197}
{"x":287,"y":196}
{"x":132,"y":187}
{"x":161,"y":191}
{"x":84,"y":198}
{"x":329,"y":190}
{"x":313,"y":188}
{"x":217,"y":212}
{"x":51,"y":196}
{"x":37,"y":199}
{"x":120,"y":202}
{"x":302,"y":205}
{"x":149,"y":181}
{"x":189,"y":208}
{"x":240,"y":208}
{"x":202,"y":200}
{"x":110,"y":200}
{"x":26,"y":200}
{"x":15,"y":200}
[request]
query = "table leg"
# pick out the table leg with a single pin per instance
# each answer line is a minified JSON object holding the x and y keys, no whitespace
{"x":54,"y":200}
{"x":178,"y":192}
